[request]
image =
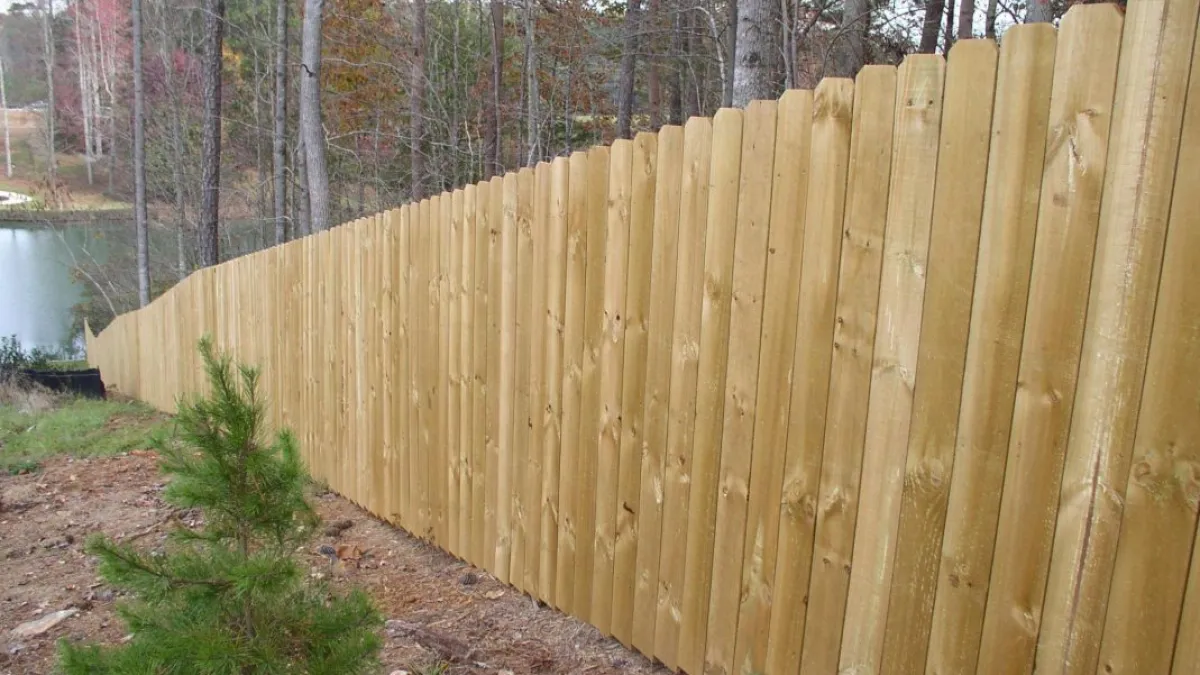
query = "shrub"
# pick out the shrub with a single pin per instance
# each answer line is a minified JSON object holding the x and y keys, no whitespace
{"x":229,"y":598}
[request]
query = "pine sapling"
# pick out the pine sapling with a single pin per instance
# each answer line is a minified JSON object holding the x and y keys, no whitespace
{"x":228,"y":597}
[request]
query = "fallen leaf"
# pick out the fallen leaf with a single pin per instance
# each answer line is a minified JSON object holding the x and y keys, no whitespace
{"x":40,"y":626}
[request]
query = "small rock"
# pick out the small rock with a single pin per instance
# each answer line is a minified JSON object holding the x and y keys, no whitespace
{"x":494,"y":595}
{"x":399,"y":672}
{"x":40,"y":626}
{"x":15,"y":648}
{"x":105,"y":595}
{"x":469,"y":579}
{"x":337,"y":527}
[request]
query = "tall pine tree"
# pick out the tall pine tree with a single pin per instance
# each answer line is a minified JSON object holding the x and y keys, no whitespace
{"x":229,"y":598}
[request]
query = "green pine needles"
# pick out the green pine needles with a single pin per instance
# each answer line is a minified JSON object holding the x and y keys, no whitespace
{"x":229,"y":598}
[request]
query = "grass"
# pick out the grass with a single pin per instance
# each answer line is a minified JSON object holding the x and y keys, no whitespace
{"x":36,"y":426}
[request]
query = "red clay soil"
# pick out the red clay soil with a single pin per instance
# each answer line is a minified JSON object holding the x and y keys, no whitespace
{"x":445,"y":616}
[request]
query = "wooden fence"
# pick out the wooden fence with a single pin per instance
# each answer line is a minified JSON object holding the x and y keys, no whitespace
{"x":897,"y":376}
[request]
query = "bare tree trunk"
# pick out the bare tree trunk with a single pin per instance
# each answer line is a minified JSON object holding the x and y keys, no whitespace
{"x":417,"y":102}
{"x":85,"y":101}
{"x":7,"y":139}
{"x":310,"y":115}
{"x":756,"y":68}
{"x":492,"y":162}
{"x":532,"y":97}
{"x":932,"y":26}
{"x":140,"y":215}
{"x":966,"y":20}
{"x":731,"y":38}
{"x":628,"y":66}
{"x":301,"y":190}
{"x":989,"y":26}
{"x":653,"y":74}
{"x":210,"y":142}
{"x":1039,"y":11}
{"x":48,"y":45}
{"x":675,"y":74}
{"x":949,"y":26}
{"x":850,"y":50}
{"x":280,"y":131}
{"x":167,"y":50}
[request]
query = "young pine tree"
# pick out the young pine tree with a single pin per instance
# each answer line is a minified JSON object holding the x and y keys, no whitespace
{"x":229,"y":598}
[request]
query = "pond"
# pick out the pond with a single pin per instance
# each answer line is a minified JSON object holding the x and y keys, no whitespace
{"x":36,"y":287}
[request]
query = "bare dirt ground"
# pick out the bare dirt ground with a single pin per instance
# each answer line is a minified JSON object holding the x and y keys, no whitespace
{"x":445,"y":616}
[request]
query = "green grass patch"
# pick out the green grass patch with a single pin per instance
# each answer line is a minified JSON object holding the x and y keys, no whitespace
{"x":77,"y":427}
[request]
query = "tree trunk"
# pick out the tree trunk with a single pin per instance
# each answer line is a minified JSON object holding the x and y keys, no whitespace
{"x":949,"y":26}
{"x":417,"y":102}
{"x":310,"y":115}
{"x":210,"y":142}
{"x":48,"y":45}
{"x":989,"y":26}
{"x":84,"y":99}
{"x":280,"y":131}
{"x":7,"y":139}
{"x":1039,"y":11}
{"x":628,"y":66}
{"x":653,"y":72}
{"x":492,"y":136}
{"x":140,"y":215}
{"x":850,"y":47}
{"x":932,"y":26}
{"x":756,"y":63}
{"x":301,"y":191}
{"x":167,"y":50}
{"x":532,"y":96}
{"x":966,"y":20}
{"x":731,"y":38}
{"x":675,"y":73}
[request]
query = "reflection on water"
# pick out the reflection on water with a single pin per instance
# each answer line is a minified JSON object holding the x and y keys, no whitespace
{"x":36,"y":288}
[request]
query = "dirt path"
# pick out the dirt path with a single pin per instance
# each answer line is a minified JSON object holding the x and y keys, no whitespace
{"x":441,"y":610}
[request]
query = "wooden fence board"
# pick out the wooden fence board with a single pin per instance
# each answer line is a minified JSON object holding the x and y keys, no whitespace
{"x":1150,"y":573}
{"x":1015,"y":168}
{"x":1143,"y":149}
{"x":399,"y":353}
{"x":612,"y":355}
{"x":556,"y":271}
{"x":508,"y":379}
{"x":573,"y":329}
{"x":480,"y":369}
{"x":1187,"y":651}
{"x":467,"y":380}
{"x":494,"y":222}
{"x":685,"y":360}
{"x":787,"y":444}
{"x":531,"y":489}
{"x":748,"y":282}
{"x":526,"y":263}
{"x":442,"y":295}
{"x":661,"y":311}
{"x":836,"y":506}
{"x":788,"y":204}
{"x":636,"y":318}
{"x":710,"y":392}
{"x":906,"y":258}
{"x":454,"y":380}
{"x":589,"y":421}
{"x":941,"y":359}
